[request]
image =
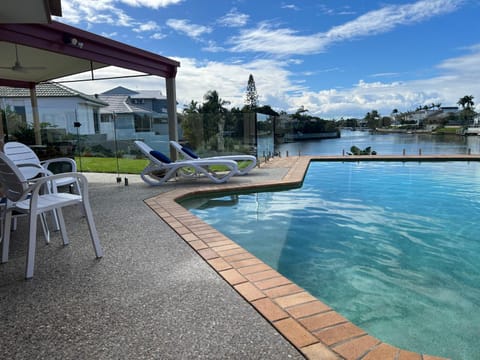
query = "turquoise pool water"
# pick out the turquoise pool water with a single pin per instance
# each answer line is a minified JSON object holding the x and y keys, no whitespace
{"x":394,"y":247}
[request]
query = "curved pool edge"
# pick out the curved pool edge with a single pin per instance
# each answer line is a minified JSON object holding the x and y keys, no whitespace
{"x":314,"y":328}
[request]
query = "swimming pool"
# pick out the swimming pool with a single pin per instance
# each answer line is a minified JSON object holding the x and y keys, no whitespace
{"x":391,"y":246}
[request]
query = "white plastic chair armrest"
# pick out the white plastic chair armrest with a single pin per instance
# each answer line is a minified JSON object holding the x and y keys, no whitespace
{"x":31,"y":170}
{"x":39,"y":182}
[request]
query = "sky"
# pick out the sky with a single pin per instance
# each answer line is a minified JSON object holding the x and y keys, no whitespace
{"x":335,"y":58}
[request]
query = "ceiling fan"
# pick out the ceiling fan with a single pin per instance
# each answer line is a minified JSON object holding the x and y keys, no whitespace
{"x":17,"y":66}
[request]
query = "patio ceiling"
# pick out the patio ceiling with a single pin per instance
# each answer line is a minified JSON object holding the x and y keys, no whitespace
{"x":30,"y":11}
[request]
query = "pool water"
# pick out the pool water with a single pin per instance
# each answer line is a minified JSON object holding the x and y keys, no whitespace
{"x":394,"y":247}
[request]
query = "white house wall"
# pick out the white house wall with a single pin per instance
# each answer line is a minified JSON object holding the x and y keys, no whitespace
{"x":107,"y":128}
{"x":84,"y":115}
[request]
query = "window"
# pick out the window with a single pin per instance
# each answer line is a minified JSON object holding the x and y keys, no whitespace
{"x":21,"y":114}
{"x":105,"y":118}
{"x":96,"y":124}
{"x":143,"y":123}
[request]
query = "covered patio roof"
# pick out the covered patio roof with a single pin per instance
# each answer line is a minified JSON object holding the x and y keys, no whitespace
{"x":35,"y":53}
{"x":45,"y":52}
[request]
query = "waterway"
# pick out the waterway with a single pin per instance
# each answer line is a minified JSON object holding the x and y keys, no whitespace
{"x":385,"y":144}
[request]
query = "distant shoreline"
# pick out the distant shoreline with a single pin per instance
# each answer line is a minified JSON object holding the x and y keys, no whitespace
{"x":417,"y":131}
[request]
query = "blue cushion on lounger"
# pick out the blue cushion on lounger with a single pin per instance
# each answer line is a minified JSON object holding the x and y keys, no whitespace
{"x":158,"y":155}
{"x":189,"y":152}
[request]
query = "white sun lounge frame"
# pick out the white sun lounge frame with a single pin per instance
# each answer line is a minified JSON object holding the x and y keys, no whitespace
{"x":242,"y":157}
{"x":184,"y":168}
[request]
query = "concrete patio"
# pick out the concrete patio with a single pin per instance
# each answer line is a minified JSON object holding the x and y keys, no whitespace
{"x":150,"y":297}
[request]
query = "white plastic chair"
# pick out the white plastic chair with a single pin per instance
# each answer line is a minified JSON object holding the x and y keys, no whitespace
{"x":31,"y":166}
{"x":161,"y":168}
{"x":25,"y":197}
{"x":189,"y":154}
{"x":43,"y":219}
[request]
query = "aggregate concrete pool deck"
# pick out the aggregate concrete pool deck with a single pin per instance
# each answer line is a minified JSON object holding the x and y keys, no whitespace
{"x":169,"y":285}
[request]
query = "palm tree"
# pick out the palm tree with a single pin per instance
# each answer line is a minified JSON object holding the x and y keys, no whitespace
{"x":192,"y":124}
{"x":467,"y":105}
{"x":213,"y":103}
{"x":191,"y":108}
{"x":466,"y":102}
{"x":214,"y":110}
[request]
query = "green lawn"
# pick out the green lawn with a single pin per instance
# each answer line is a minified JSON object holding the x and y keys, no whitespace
{"x":109,"y":165}
{"x":125,"y":166}
{"x":449,"y":130}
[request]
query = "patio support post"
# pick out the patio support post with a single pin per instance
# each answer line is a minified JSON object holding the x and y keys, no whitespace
{"x":172,"y":114}
{"x":36,"y":116}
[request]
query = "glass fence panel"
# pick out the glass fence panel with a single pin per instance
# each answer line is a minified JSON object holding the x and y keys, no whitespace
{"x":104,"y":142}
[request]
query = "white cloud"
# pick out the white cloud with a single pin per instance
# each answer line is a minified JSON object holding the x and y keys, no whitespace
{"x":148,"y":26}
{"x":213,"y":47}
{"x":154,"y":4}
{"x":268,"y":39}
{"x":234,"y":19}
{"x":388,"y":74}
{"x":290,"y":7}
{"x":230,"y":80}
{"x":158,"y":36}
{"x":106,"y":11}
{"x":110,"y":35}
{"x":277,"y":86}
{"x":385,"y":19}
{"x":94,"y":12}
{"x":283,"y":41}
{"x":185,"y":27}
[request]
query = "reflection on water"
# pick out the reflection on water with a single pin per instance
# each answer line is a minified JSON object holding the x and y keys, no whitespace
{"x":386,"y":144}
{"x":203,"y":203}
{"x":392,"y":246}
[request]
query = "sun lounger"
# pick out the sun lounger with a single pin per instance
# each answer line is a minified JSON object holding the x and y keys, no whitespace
{"x":161,"y":168}
{"x":189,"y":154}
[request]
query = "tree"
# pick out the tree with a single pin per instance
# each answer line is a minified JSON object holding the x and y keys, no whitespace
{"x":251,"y":97}
{"x":468,"y":111}
{"x":466,"y":102}
{"x":192,"y":124}
{"x":372,"y":119}
{"x":213,"y":103}
{"x":215,"y":117}
{"x":267,"y":110}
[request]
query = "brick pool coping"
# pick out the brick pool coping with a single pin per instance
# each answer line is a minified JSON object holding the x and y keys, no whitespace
{"x":314,"y":328}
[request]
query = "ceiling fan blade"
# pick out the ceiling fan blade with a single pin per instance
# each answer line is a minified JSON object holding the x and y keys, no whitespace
{"x":17,"y":66}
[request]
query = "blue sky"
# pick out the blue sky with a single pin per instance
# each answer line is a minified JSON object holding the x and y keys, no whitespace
{"x":336,"y":58}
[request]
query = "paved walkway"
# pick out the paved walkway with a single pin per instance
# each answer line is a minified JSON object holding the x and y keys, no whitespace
{"x":153,"y":297}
